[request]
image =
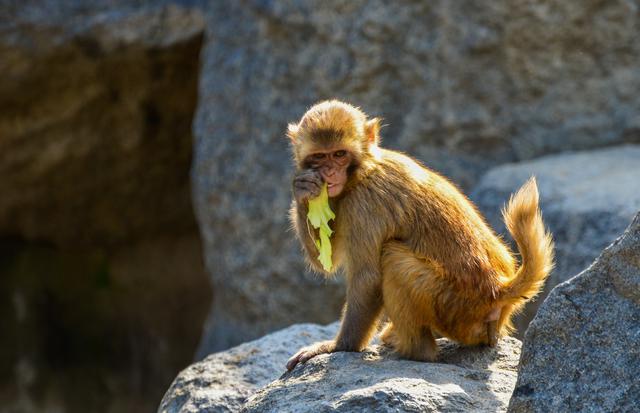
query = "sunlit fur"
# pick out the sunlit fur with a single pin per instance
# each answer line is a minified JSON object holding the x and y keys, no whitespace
{"x":412,"y":244}
{"x":329,"y":123}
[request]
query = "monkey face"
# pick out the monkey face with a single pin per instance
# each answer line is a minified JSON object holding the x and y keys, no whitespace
{"x":333,"y":138}
{"x":332,"y":164}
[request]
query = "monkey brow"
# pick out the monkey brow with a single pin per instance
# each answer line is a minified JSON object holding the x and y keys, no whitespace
{"x":327,"y":135}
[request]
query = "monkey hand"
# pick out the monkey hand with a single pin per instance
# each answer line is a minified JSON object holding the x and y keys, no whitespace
{"x":307,"y":353}
{"x":307,"y":184}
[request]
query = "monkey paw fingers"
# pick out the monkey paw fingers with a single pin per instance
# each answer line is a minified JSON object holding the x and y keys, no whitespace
{"x":301,"y":357}
{"x":305,"y":190}
{"x":310,"y":352}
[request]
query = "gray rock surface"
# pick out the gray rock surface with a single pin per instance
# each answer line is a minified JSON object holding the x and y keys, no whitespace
{"x":588,"y":198}
{"x":245,"y":378}
{"x":464,"y":379}
{"x":581,"y":352}
{"x":462,"y":85}
{"x":223,"y":381}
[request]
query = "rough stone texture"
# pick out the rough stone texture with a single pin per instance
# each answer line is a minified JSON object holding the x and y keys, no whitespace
{"x":478,"y":379}
{"x":581,"y":351}
{"x":587,"y":198}
{"x":464,"y":379}
{"x":462,"y":85}
{"x":223,"y":381}
{"x":96,"y":106}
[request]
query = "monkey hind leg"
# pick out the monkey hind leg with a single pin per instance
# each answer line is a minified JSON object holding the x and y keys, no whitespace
{"x":406,"y":282}
{"x":387,"y":335}
{"x":411,"y":343}
{"x":415,"y":343}
{"x":492,"y":333}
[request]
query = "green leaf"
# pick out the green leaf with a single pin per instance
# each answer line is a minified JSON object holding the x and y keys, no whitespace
{"x":319,"y":216}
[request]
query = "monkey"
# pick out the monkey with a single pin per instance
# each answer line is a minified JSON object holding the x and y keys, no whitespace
{"x":412,"y":247}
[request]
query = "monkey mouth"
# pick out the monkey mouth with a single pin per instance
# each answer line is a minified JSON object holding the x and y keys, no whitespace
{"x":334,"y":189}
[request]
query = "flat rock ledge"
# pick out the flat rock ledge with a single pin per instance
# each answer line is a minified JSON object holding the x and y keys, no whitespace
{"x":251,"y":378}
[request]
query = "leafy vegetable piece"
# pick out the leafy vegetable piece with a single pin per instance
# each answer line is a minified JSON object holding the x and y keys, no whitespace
{"x":325,"y":251}
{"x":319,"y":216}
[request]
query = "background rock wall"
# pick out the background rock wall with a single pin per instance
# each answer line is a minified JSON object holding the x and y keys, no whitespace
{"x":94,"y":120}
{"x":102,"y":284}
{"x":462,"y":85}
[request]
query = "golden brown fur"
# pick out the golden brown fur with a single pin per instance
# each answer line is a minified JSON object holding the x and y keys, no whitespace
{"x":411,"y":243}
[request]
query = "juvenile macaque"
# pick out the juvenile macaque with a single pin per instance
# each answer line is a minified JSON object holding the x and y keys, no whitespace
{"x":409,"y":242}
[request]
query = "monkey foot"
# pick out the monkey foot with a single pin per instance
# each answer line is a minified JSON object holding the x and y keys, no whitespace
{"x":310,"y":352}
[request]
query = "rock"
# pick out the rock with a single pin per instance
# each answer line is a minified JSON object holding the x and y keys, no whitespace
{"x":464,"y":379}
{"x":100,"y":257}
{"x":246,"y":378}
{"x":587,"y":200}
{"x":96,"y":105}
{"x":131,"y":317}
{"x":223,"y":381}
{"x":462,"y":86}
{"x":581,"y":351}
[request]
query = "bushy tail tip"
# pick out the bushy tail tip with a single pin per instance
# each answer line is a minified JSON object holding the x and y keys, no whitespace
{"x":524,"y":222}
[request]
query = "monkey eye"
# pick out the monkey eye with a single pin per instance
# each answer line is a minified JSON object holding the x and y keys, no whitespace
{"x":318,"y":156}
{"x":339,"y":154}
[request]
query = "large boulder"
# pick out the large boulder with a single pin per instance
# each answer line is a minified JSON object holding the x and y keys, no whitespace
{"x":463,"y":379}
{"x":581,"y":352}
{"x":252,"y":378}
{"x":587,"y":199}
{"x":462,"y":86}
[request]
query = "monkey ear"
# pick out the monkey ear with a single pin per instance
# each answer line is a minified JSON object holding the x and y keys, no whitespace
{"x":372,"y":130}
{"x":292,"y":132}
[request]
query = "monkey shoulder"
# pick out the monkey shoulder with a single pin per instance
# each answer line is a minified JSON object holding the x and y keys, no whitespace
{"x":402,"y":172}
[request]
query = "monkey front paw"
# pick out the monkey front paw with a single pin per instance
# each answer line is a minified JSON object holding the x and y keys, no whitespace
{"x":310,"y":352}
{"x":307,"y":184}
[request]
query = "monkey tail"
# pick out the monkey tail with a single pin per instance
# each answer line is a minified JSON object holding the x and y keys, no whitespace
{"x":524,"y":222}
